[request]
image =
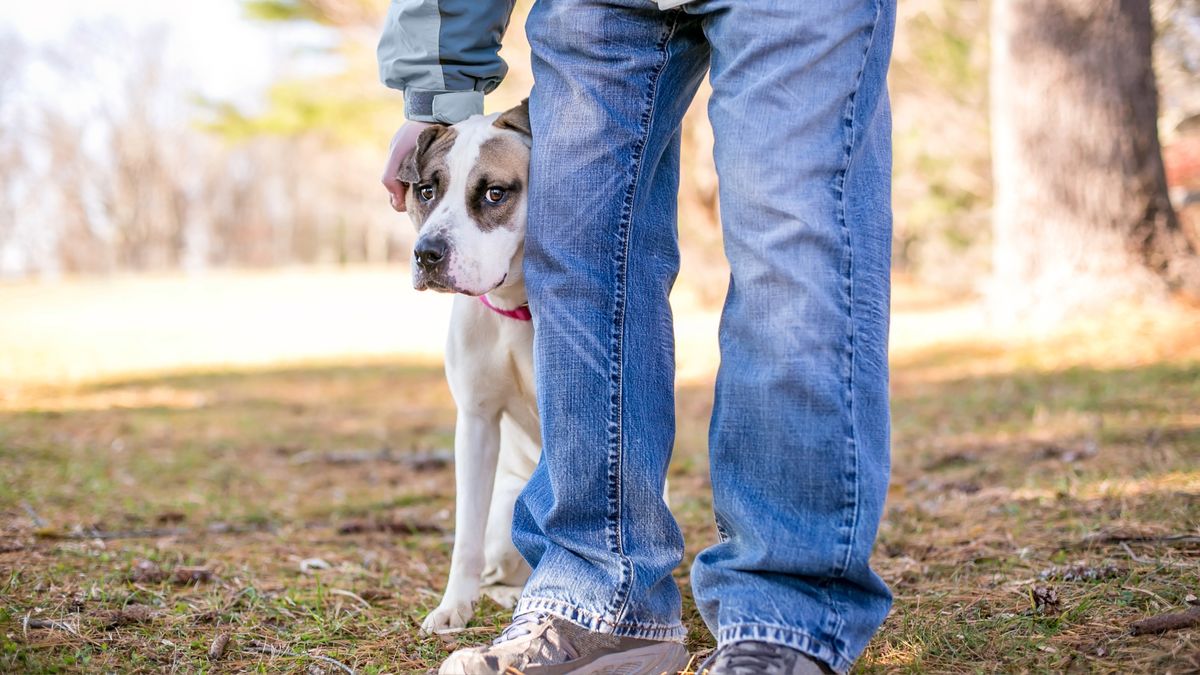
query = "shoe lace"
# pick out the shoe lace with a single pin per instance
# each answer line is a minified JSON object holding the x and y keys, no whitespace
{"x":522,"y":624}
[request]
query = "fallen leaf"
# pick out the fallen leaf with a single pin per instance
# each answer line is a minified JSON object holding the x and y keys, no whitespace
{"x":309,"y":565}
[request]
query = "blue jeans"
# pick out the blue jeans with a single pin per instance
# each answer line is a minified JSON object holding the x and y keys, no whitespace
{"x":800,"y":430}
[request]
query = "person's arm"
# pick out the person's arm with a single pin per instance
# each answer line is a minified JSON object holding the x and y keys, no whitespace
{"x":444,"y":55}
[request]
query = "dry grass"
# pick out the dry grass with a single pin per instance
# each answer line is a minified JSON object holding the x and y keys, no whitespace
{"x":1014,"y":458}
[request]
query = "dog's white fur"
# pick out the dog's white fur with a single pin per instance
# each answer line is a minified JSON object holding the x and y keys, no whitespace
{"x":489,"y":365}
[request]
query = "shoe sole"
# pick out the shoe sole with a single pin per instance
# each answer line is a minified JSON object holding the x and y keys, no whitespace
{"x":667,"y":658}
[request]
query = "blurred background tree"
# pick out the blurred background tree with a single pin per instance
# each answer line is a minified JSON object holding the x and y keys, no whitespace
{"x":1082,"y":215}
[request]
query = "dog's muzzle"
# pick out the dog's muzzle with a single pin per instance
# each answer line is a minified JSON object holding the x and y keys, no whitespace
{"x":431,"y":253}
{"x":431,"y":258}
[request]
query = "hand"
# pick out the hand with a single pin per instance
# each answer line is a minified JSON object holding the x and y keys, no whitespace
{"x":403,"y":143}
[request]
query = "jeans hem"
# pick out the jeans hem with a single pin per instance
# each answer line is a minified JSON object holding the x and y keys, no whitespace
{"x":602,"y":624}
{"x":793,"y":638}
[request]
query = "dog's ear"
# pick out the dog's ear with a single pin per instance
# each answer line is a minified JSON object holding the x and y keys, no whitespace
{"x":409,"y":173}
{"x":515,"y":119}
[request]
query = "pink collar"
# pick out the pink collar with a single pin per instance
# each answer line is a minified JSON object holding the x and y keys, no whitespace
{"x":520,"y":314}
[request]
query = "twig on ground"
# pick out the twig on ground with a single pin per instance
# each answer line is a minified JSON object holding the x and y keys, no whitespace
{"x":1120,"y":537}
{"x":116,"y":534}
{"x":343,"y":456}
{"x":1154,"y":561}
{"x":352,"y":596}
{"x":38,"y":521}
{"x":28,"y":622}
{"x":152,"y":533}
{"x":418,"y":461}
{"x":1146,"y":591}
{"x":264,"y":648}
{"x":237,"y":597}
{"x":389,"y":526}
{"x":1166,"y":622}
{"x":1133,"y":556}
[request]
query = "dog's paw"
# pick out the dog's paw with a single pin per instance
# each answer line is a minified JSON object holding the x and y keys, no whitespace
{"x":505,"y":596}
{"x":449,"y":617}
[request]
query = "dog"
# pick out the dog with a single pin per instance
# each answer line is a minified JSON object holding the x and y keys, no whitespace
{"x":466,"y":195}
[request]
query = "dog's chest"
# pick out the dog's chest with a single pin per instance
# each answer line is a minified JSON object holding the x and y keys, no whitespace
{"x":489,"y":361}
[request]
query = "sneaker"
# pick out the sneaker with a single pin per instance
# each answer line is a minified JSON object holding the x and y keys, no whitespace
{"x":536,"y":643}
{"x":760,"y":658}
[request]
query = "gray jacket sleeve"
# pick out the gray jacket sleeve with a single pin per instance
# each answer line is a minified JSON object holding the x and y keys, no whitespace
{"x":444,"y":55}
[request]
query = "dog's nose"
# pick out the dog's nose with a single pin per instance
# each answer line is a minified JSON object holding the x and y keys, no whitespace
{"x":430,"y":252}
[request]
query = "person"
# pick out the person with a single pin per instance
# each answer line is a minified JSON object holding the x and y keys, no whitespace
{"x":799,"y":435}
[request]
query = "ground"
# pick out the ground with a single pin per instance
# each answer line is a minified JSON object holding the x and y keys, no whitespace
{"x":159,"y":492}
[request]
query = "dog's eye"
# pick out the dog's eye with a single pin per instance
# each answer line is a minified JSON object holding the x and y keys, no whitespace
{"x":495,"y":195}
{"x":426,"y":193}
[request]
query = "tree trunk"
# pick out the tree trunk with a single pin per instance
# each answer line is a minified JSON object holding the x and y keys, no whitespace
{"x":1081,"y":214}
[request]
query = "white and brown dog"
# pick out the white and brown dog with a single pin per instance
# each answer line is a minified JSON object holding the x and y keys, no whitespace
{"x":467,"y":187}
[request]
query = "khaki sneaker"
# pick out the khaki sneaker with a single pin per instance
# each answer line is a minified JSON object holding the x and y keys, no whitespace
{"x":536,"y":643}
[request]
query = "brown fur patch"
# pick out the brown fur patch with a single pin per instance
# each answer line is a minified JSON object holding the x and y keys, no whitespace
{"x":504,"y":163}
{"x":427,"y":166}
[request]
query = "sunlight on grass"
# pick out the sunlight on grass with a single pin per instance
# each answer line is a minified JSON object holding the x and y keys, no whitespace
{"x":1164,"y":483}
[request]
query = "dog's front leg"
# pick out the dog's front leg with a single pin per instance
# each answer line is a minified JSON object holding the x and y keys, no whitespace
{"x":476,"y":449}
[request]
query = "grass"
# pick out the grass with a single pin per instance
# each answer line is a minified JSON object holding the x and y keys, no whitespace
{"x":1036,"y":485}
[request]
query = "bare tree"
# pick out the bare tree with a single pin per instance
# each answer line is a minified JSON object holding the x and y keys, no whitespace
{"x":1081,"y":214}
{"x":124,"y":171}
{"x":13,"y":165}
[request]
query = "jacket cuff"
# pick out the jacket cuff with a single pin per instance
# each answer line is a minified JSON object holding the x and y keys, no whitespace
{"x":442,"y":107}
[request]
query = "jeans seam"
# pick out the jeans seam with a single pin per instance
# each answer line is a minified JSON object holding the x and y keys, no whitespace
{"x":616,"y":378}
{"x":852,"y":444}
{"x":592,"y":621}
{"x":848,"y":121}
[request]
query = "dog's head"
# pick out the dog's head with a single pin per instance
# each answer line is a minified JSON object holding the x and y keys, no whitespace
{"x":466,"y":195}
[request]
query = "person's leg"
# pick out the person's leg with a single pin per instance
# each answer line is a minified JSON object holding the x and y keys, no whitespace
{"x":612,"y":81}
{"x":799,"y":437}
